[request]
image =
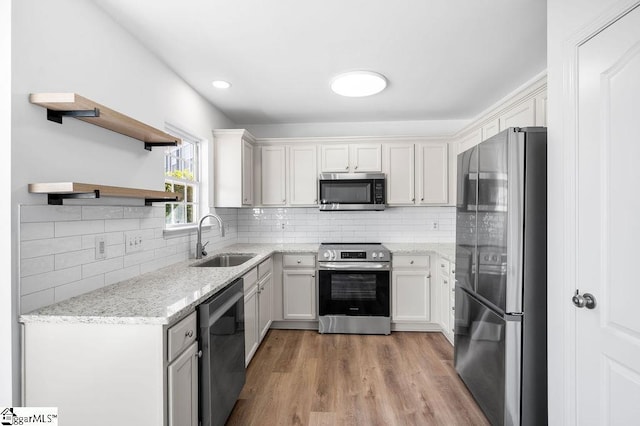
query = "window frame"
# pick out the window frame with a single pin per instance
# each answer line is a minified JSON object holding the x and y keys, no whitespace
{"x":196,"y":184}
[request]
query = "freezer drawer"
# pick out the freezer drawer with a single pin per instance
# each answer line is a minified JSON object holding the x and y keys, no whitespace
{"x":487,"y":358}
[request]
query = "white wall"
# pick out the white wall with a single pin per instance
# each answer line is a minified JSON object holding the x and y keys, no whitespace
{"x":384,"y":128}
{"x":565,"y":19}
{"x":8,"y":331}
{"x":73,"y":46}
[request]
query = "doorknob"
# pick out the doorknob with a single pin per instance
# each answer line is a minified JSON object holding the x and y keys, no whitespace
{"x":586,"y":300}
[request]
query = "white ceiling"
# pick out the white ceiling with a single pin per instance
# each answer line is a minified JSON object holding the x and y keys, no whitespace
{"x":444,"y":59}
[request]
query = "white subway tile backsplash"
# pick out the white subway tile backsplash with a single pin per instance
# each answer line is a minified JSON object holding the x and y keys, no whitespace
{"x":47,"y":213}
{"x":102,"y":212}
{"x":101,"y":267}
{"x":65,"y":229}
{"x":37,"y":300}
{"x":36,"y":231}
{"x":36,"y":265}
{"x":137,"y":258}
{"x":74,"y":258}
{"x":150,"y":223}
{"x":39,"y":282}
{"x":121,"y":225}
{"x":77,"y":288}
{"x":121,"y":274}
{"x":43,"y":247}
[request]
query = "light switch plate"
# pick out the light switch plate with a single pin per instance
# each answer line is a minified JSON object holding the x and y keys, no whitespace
{"x":101,"y":247}
{"x":133,"y":242}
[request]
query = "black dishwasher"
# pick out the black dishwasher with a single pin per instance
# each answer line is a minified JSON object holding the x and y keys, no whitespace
{"x":221,"y":320}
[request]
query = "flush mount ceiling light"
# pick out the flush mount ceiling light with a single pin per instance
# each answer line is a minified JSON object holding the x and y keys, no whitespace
{"x":357,"y":84}
{"x":221,"y":84}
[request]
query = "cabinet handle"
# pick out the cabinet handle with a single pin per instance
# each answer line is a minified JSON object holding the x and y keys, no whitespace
{"x":442,"y":265}
{"x":313,"y":276}
{"x":453,"y":271}
{"x":421,"y":199}
{"x":198,"y":354}
{"x":453,"y":308}
{"x":346,"y":168}
{"x":355,"y":168}
{"x":445,"y":282}
{"x":299,"y":261}
{"x":413,"y":199}
{"x":411,"y":262}
{"x":189,"y":333}
{"x":315,"y":201}
{"x":283,"y":201}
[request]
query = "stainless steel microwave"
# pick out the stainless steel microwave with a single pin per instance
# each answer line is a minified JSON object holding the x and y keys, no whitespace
{"x":352,"y":191}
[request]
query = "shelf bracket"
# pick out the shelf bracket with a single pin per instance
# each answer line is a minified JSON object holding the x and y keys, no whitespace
{"x":56,"y":199}
{"x":55,"y":115}
{"x":149,"y":145}
{"x":149,"y":201}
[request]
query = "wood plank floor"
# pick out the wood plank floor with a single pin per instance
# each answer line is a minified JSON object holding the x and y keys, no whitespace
{"x":305,"y":378}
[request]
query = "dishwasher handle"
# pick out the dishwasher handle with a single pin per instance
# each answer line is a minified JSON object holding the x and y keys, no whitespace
{"x":220,"y":311}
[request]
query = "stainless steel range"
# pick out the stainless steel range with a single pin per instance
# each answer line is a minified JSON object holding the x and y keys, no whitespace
{"x":354,"y":288}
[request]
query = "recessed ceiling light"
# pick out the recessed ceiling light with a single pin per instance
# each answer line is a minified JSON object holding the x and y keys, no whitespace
{"x":358,"y":83}
{"x":221,"y":84}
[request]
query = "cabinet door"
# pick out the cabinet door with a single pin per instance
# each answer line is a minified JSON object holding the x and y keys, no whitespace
{"x":247,"y":173}
{"x":273,"y":176}
{"x":399,"y":168}
{"x":445,"y":304}
{"x":490,"y":129}
{"x":251,"y":337}
{"x":303,"y":173}
{"x":469,"y":141}
{"x":334,"y":158}
{"x":299,"y":294}
{"x":265,"y":303}
{"x":366,"y":158}
{"x":183,"y":388}
{"x":433,"y":173}
{"x":410,"y":296}
{"x":522,"y":115}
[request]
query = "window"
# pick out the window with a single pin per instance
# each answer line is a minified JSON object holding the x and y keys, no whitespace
{"x":182,"y":175}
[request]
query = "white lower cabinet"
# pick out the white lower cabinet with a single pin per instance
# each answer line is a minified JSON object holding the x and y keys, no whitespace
{"x":258,"y":295}
{"x":299,"y":287}
{"x":446,"y":296}
{"x":183,"y":388}
{"x":411,"y":292}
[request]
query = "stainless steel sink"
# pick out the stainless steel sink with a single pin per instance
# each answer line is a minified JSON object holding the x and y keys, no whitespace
{"x":226,"y":260}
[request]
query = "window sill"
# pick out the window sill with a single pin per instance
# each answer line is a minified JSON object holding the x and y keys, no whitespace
{"x":183,"y":230}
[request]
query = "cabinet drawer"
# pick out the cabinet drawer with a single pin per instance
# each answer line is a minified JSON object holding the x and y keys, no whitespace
{"x":181,"y":335}
{"x":404,"y":261}
{"x":443,"y":266}
{"x":299,"y":261}
{"x":264,"y":268}
{"x":250,"y":279}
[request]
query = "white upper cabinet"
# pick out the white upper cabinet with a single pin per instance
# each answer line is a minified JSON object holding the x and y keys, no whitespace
{"x":334,"y":158}
{"x":247,"y":173}
{"x":398,"y":165}
{"x":490,"y":129}
{"x":233,"y":157}
{"x":470,"y":140}
{"x":353,"y":158}
{"x":273,"y":176}
{"x":303,"y":175}
{"x":432,"y":172}
{"x":521,"y":115}
{"x":366,"y":158}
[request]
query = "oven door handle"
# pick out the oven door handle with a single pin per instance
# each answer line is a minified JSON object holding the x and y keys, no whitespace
{"x":353,"y":266}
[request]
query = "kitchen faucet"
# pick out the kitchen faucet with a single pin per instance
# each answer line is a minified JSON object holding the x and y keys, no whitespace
{"x":199,"y":247}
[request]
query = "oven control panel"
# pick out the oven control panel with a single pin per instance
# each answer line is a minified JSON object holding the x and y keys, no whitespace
{"x":348,"y":253}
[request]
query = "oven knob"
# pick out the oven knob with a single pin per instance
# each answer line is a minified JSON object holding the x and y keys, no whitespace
{"x":381,"y":255}
{"x":326,"y":254}
{"x":374,"y":255}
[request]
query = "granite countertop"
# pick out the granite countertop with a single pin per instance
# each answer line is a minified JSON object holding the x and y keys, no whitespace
{"x":177,"y":289}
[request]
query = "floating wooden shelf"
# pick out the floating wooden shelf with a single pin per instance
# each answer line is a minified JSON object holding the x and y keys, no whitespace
{"x":72,"y":105}
{"x":58,"y":191}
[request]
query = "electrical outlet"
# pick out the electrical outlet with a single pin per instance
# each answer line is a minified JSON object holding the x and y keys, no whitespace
{"x":101,"y":247}
{"x":133,"y":242}
{"x":434,"y":225}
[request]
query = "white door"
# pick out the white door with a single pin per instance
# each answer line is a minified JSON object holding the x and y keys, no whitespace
{"x":433,"y":173}
{"x":366,"y":158}
{"x":334,"y":158}
{"x":247,"y":173}
{"x":608,"y":172}
{"x":399,"y":168}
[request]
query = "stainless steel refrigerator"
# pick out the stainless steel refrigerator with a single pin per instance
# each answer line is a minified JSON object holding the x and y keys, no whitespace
{"x":501,"y":269}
